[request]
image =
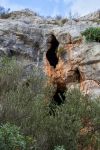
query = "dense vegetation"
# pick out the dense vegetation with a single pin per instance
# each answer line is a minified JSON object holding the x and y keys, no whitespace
{"x":10,"y":138}
{"x":28,"y":121}
{"x":92,"y":34}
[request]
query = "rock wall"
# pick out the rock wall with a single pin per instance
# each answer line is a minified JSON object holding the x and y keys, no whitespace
{"x":60,"y":51}
{"x":79,"y":67}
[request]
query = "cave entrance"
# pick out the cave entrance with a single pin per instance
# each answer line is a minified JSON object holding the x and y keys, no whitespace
{"x":51,"y":55}
{"x":77,"y":76}
{"x":59,"y":95}
{"x":57,"y":99}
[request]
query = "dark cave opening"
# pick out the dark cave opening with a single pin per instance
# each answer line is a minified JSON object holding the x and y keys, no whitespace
{"x":77,"y":75}
{"x":58,"y":97}
{"x":51,"y":55}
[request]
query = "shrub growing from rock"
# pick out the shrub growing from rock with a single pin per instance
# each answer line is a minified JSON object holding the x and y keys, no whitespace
{"x":92,"y":34}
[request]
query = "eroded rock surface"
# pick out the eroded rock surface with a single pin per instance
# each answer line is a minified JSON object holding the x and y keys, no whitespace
{"x":34,"y":40}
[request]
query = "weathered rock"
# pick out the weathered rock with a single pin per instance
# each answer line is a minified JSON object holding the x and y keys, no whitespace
{"x":26,"y":36}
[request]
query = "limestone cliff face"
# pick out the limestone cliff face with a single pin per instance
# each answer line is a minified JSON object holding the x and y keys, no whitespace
{"x":60,"y":50}
{"x":78,"y":68}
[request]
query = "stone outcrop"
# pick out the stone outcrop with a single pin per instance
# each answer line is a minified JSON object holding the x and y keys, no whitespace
{"x":60,"y":50}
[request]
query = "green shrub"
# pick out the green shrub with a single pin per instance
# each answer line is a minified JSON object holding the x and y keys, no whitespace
{"x":63,"y":128}
{"x":92,"y":34}
{"x":28,"y":107}
{"x":85,"y":111}
{"x":10,"y":73}
{"x":17,"y":96}
{"x":10,"y":138}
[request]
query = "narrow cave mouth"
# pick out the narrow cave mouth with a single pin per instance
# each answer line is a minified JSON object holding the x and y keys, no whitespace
{"x":51,"y":55}
{"x":57,"y":100}
{"x":59,"y":96}
{"x":77,"y":75}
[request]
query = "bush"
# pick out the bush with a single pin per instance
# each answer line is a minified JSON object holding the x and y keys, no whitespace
{"x":73,"y":124}
{"x":10,"y":138}
{"x":10,"y":74}
{"x":17,"y":96}
{"x":92,"y":34}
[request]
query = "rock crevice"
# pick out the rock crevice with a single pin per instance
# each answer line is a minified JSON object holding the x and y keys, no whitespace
{"x":51,"y":55}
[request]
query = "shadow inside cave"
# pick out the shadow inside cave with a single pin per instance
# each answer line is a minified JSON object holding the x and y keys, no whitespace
{"x":59,"y":97}
{"x":51,"y":55}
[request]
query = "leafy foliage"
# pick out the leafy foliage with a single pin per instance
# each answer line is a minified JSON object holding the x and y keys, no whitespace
{"x":27,"y":105}
{"x":92,"y":34}
{"x":11,"y":138}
